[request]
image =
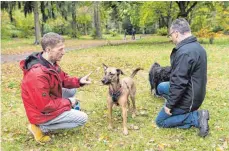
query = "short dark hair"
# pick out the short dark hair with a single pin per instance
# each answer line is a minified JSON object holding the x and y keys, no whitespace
{"x":181,"y":25}
{"x":51,"y":39}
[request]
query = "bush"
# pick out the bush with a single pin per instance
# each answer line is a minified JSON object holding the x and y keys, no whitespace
{"x":8,"y":29}
{"x":226,"y":31}
{"x":217,"y":29}
{"x":24,"y":25}
{"x":113,"y":32}
{"x":206,"y":33}
{"x":162,"y":31}
{"x":59,"y":26}
{"x":93,"y":33}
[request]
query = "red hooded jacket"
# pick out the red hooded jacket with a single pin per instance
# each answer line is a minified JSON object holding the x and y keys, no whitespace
{"x":41,"y":89}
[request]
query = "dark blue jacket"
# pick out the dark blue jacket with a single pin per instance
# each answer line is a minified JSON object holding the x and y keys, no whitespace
{"x":188,"y":77}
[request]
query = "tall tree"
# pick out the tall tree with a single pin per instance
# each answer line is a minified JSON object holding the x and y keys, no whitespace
{"x":74,"y":27}
{"x":48,"y":10}
{"x":36,"y":22}
{"x":69,"y":8}
{"x":97,"y":23}
{"x":185,"y":8}
{"x":9,"y":7}
{"x":33,"y":7}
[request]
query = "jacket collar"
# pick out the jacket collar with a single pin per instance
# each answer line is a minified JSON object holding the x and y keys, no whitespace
{"x":44,"y":62}
{"x":186,"y":41}
{"x":36,"y":59}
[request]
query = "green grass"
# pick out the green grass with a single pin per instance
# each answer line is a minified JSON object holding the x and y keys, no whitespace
{"x":94,"y":135}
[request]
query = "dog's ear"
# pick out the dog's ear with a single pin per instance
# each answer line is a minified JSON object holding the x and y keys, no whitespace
{"x":105,"y":66}
{"x":157,"y":64}
{"x":119,"y":71}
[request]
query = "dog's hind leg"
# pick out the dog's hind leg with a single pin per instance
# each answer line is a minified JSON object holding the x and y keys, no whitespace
{"x":134,"y":107}
{"x":124,"y":116}
{"x":132,"y":96}
{"x":128,"y":103}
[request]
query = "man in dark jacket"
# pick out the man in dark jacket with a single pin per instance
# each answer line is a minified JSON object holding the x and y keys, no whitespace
{"x":186,"y":90}
{"x":48,"y":92}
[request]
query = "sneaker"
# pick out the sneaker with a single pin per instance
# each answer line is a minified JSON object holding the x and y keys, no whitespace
{"x":38,"y":135}
{"x":77,"y":105}
{"x":203,"y":122}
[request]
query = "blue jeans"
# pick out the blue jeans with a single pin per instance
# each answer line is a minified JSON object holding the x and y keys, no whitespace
{"x":163,"y":89}
{"x":179,"y":117}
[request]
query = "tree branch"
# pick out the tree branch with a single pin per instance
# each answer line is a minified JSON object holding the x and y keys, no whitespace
{"x":193,"y":5}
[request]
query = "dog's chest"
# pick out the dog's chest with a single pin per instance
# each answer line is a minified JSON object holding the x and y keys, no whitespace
{"x":115,"y":95}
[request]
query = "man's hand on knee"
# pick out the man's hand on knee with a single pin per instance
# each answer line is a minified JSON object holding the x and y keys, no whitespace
{"x":167,"y":110}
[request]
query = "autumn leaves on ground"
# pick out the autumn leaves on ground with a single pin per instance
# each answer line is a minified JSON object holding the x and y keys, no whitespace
{"x":143,"y":133}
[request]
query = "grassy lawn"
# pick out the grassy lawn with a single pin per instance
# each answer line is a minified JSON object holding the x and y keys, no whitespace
{"x":94,"y":135}
{"x":24,"y":45}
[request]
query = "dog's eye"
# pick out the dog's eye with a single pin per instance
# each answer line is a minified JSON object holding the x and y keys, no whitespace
{"x":111,"y":74}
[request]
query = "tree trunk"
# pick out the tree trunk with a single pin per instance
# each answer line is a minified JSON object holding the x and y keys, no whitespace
{"x":85,"y":28}
{"x":44,"y":17}
{"x":184,"y":10}
{"x":169,"y":18}
{"x":97,"y":23}
{"x":74,"y":28}
{"x":11,"y":16}
{"x":36,"y":23}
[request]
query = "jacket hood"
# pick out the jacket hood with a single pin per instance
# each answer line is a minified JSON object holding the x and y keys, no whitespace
{"x":33,"y":59}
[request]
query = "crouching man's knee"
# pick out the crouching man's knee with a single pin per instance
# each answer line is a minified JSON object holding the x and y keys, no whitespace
{"x":160,"y":123}
{"x":84,"y":118}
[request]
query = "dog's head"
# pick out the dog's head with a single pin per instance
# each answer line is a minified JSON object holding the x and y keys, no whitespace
{"x":111,"y":75}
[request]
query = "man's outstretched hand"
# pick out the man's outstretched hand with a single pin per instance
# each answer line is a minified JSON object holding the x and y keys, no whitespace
{"x":86,"y":79}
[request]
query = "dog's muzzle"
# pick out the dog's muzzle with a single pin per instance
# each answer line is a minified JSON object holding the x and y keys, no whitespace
{"x":105,"y":81}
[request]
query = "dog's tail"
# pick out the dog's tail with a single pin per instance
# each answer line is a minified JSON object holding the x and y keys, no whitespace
{"x":135,"y":72}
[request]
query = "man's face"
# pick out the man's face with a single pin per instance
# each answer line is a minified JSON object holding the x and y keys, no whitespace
{"x":57,"y":52}
{"x":173,"y":35}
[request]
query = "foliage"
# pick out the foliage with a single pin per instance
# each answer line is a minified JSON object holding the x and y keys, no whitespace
{"x":58,"y":25}
{"x":22,"y":27}
{"x":153,"y":12}
{"x":211,"y":16}
{"x":75,"y":18}
{"x":6,"y":27}
{"x":113,"y":32}
{"x":162,"y":31}
{"x":84,"y":18}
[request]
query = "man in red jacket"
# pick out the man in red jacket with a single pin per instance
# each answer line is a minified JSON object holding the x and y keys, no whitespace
{"x":48,"y":92}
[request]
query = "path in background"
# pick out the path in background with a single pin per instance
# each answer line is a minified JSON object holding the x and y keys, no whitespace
{"x":19,"y":57}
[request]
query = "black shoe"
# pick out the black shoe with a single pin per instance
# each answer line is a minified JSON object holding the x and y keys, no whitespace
{"x":203,"y":122}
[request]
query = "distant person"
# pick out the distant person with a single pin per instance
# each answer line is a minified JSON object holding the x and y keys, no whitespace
{"x":133,"y":33}
{"x":48,"y":92}
{"x":185,"y":92}
{"x":125,"y":34}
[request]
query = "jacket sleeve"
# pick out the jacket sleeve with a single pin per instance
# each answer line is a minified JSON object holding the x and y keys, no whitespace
{"x":39,"y":89}
{"x":69,"y":82}
{"x":179,"y":79}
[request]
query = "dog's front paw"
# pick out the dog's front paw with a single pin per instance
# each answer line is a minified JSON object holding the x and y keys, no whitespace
{"x":125,"y":131}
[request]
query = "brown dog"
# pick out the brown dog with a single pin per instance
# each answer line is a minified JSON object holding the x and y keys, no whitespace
{"x":119,"y":91}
